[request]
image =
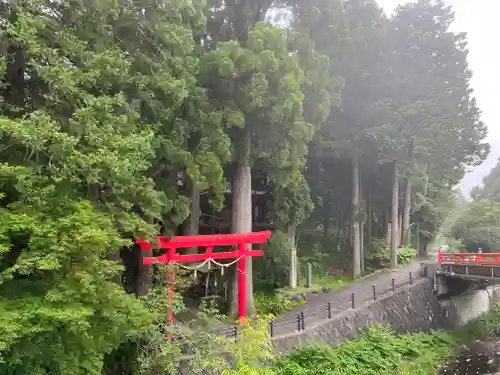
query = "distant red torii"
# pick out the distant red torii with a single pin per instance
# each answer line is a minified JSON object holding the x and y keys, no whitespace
{"x":241,"y":240}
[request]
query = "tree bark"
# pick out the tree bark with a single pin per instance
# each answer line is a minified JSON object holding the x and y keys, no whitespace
{"x":369,"y":224}
{"x":191,"y":225}
{"x":362,"y":222}
{"x":362,"y":245}
{"x":356,"y":250}
{"x":400,"y":225}
{"x":394,"y":217}
{"x":405,"y":241}
{"x":144,"y":273}
{"x":292,"y":231}
{"x":14,"y":90}
{"x":241,"y":220}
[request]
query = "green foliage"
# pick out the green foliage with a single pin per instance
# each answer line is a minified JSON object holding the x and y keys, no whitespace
{"x":484,"y":327}
{"x":378,"y":351}
{"x":89,"y":107}
{"x":490,"y":189}
{"x":271,"y":270}
{"x":157,"y":354}
{"x":251,"y":353}
{"x":274,"y":304}
{"x":406,"y":254}
{"x":377,"y":255}
{"x":479,"y":226}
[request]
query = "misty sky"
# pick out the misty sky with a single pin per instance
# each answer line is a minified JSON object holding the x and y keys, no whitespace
{"x":479,"y":19}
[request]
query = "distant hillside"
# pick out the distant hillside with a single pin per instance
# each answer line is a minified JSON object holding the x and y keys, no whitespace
{"x":476,"y":176}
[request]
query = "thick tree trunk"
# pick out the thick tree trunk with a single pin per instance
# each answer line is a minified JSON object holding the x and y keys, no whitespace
{"x":241,"y":220}
{"x":144,"y":273}
{"x":356,"y":251}
{"x":405,"y":241}
{"x":362,"y":223}
{"x":292,"y":231}
{"x":394,"y":217}
{"x":338,"y":232}
{"x":362,"y":245}
{"x":14,"y":89}
{"x":369,"y":223}
{"x":326,"y":226}
{"x":400,"y":225}
{"x":191,"y":225}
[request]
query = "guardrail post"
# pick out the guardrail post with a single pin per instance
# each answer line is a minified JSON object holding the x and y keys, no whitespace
{"x":298,"y":322}
{"x":393,"y":284}
{"x":411,"y":278}
{"x":329,"y":308}
{"x":353,"y":300}
{"x":374,"y":292}
{"x":271,"y":328}
{"x":302,"y":320}
{"x":235,"y":331}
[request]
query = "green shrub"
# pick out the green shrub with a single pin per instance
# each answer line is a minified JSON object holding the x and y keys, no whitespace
{"x":377,"y":255}
{"x":273,"y":304}
{"x":251,"y":353}
{"x":271,"y":270}
{"x":379,"y":351}
{"x":406,"y":255}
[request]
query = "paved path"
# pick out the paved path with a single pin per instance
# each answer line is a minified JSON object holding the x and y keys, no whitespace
{"x":316,"y":307}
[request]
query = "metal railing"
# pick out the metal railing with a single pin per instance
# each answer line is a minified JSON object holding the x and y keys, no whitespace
{"x":308,"y":317}
{"x":327,"y":309}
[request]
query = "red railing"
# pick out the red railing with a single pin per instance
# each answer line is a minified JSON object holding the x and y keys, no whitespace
{"x":478,"y":259}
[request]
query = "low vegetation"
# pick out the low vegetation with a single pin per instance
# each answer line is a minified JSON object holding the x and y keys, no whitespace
{"x":378,"y":351}
{"x":275,"y":304}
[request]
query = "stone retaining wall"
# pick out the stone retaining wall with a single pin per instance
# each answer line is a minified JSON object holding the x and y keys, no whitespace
{"x":411,"y":308}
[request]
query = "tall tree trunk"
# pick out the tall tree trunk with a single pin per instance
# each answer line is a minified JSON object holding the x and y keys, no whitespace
{"x":369,"y":229}
{"x":338,"y":236}
{"x":292,"y":231}
{"x":191,"y":225}
{"x":362,"y":245}
{"x":362,"y":221}
{"x":394,"y":217}
{"x":326,"y":226}
{"x":144,"y":273}
{"x":241,"y":220}
{"x":406,"y":213}
{"x":400,"y":225}
{"x":356,"y":251}
{"x":14,"y":89}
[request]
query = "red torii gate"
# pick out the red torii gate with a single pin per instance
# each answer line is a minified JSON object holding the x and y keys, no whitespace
{"x":241,"y":240}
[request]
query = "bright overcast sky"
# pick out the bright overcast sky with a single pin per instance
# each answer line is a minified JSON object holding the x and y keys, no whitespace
{"x":479,"y":18}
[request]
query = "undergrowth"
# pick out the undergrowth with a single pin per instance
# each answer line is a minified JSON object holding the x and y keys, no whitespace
{"x":274,"y":304}
{"x":379,"y":351}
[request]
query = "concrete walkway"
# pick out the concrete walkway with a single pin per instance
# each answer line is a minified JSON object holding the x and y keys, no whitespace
{"x":315,"y":309}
